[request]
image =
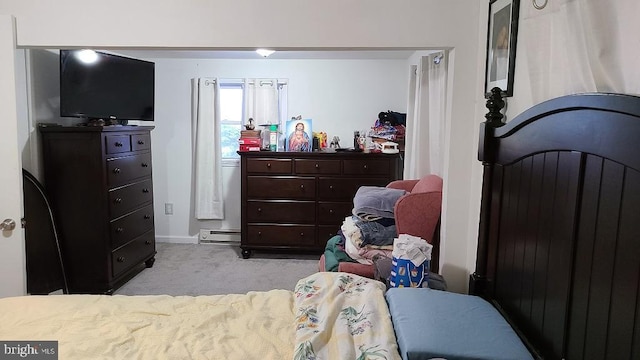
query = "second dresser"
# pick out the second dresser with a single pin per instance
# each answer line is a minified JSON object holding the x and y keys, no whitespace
{"x":296,"y":201}
{"x":99,"y":180}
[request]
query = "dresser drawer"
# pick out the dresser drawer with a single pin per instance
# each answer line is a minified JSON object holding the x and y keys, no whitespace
{"x":283,"y":212}
{"x":117,"y":143}
{"x":370,"y":167}
{"x":308,"y":166}
{"x":343,"y":189}
{"x":129,"y":197}
{"x":133,"y":253}
{"x":140,"y":142}
{"x":330,"y":213}
{"x":326,"y":232}
{"x":131,"y":226}
{"x":269,"y":166}
{"x":281,"y":235}
{"x":266,"y":187}
{"x":124,"y":169}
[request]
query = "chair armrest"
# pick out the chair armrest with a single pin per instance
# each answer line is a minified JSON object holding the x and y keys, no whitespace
{"x":406,"y":185}
{"x":357,"y":268}
{"x":417,"y":214}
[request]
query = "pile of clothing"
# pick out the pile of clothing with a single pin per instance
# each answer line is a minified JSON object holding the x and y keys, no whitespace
{"x":390,"y":126}
{"x":368,"y":232}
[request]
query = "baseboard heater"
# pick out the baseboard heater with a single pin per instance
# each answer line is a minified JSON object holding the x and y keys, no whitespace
{"x":219,"y":235}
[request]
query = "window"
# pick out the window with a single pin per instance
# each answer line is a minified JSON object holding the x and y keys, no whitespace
{"x":231,"y":109}
{"x":233,"y":98}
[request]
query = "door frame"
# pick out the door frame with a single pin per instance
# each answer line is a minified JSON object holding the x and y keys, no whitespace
{"x":12,"y":243}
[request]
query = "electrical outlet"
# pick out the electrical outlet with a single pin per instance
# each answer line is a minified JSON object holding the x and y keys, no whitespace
{"x":168,"y":209}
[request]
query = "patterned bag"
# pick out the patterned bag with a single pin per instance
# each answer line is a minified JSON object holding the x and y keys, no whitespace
{"x":410,"y":263}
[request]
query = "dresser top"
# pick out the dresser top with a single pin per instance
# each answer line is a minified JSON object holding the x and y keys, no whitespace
{"x":109,"y":128}
{"x":315,"y":154}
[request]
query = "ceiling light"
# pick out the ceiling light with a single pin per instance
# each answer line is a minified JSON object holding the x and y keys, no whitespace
{"x":265,"y":52}
{"x":87,"y":56}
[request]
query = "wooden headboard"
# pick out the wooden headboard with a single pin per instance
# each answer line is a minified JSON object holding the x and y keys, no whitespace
{"x":559,"y":237}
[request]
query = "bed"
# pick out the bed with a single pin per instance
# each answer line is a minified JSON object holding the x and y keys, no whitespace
{"x":327,"y":314}
{"x":558,"y":260}
{"x":559,"y":236}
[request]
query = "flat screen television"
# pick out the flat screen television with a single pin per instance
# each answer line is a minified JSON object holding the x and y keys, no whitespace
{"x":96,"y":85}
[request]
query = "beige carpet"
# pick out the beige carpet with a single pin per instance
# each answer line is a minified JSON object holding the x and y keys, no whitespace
{"x":211,"y":269}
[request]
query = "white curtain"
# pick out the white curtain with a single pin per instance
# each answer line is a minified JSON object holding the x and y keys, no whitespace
{"x":207,"y":158}
{"x":426,"y":116}
{"x":578,"y":46}
{"x":261,"y":101}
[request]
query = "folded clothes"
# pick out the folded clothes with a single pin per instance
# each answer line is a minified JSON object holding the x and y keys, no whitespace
{"x":334,"y":253}
{"x":375,"y":201}
{"x":352,"y":241}
{"x":375,"y":232}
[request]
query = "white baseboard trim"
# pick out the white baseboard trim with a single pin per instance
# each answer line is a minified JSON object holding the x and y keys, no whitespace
{"x":219,"y":235}
{"x":177,"y":239}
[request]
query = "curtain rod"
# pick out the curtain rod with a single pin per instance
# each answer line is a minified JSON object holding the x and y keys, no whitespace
{"x":241,"y":82}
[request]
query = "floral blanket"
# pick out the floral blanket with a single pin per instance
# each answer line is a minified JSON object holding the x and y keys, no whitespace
{"x":342,"y":316}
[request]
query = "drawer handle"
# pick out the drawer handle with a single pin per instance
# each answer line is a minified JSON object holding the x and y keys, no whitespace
{"x":302,"y":186}
{"x":145,"y":165}
{"x":330,"y":187}
{"x":117,"y":200}
{"x":259,"y":209}
{"x":148,"y":242}
{"x":140,"y":142}
{"x":301,"y":234}
{"x":145,"y":190}
{"x":147,"y":217}
{"x":365,"y":167}
{"x":259,"y":233}
{"x":269,"y":165}
{"x":330,"y":211}
{"x":119,"y":230}
{"x":118,"y":144}
{"x":120,"y":259}
{"x":317,"y":166}
{"x":116,"y":171}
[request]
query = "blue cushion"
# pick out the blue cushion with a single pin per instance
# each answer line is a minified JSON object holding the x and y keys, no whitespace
{"x":431,"y":323}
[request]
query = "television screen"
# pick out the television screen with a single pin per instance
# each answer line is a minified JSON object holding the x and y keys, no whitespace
{"x":96,"y":85}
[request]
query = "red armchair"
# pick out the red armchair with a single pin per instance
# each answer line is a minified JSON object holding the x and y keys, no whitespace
{"x":416,"y":213}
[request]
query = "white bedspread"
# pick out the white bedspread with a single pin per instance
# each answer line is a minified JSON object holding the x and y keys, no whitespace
{"x":258,"y":325}
{"x":329,"y":316}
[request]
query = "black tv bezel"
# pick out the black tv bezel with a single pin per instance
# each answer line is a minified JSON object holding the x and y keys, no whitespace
{"x":106,"y":117}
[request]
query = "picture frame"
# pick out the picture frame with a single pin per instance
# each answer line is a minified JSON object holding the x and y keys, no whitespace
{"x":502,"y":37}
{"x":299,"y":135}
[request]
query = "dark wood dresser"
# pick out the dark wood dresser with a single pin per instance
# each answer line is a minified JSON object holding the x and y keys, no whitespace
{"x":100,"y":185}
{"x":296,"y":201}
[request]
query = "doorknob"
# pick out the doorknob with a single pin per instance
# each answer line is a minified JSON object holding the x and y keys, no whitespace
{"x":7,"y":225}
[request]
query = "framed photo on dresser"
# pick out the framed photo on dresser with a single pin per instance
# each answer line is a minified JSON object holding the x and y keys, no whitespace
{"x":299,"y":135}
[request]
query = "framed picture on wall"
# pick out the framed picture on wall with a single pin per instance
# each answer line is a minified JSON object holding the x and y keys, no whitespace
{"x":501,"y":45}
{"x":299,"y":135}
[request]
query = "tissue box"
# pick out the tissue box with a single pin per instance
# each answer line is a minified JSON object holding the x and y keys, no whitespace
{"x":411,"y":262}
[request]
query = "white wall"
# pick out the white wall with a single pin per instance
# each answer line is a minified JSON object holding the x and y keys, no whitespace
{"x":294,"y":24}
{"x":339,"y":95}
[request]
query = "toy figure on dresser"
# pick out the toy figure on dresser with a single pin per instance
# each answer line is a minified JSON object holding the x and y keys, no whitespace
{"x":250,"y":125}
{"x":322,"y":139}
{"x":335,"y":143}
